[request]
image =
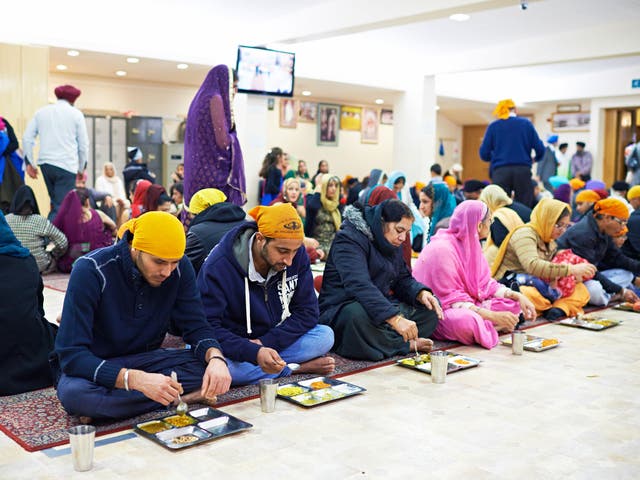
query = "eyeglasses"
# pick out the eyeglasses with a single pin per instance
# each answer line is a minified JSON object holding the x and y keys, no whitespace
{"x":561,"y":226}
{"x":620,"y":222}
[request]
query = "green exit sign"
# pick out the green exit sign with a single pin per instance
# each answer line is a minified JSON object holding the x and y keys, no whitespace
{"x":635,"y":83}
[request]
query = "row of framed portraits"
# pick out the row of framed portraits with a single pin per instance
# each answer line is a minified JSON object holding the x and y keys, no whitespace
{"x":330,"y":119}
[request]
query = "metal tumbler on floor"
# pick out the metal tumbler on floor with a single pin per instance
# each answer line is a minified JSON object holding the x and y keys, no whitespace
{"x":268,"y":391}
{"x":82,"y":439}
{"x":439,"y":364}
{"x":517,"y":342}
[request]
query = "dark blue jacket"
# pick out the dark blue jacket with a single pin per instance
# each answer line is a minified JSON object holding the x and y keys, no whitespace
{"x":356,"y":271}
{"x":509,"y":142}
{"x":631,"y":247}
{"x":587,"y":241}
{"x":111,"y":311}
{"x":221,"y":283}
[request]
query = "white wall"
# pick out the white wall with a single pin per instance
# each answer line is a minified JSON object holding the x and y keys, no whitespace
{"x":451,"y":135}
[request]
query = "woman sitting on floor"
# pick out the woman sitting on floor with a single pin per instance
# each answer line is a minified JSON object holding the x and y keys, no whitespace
{"x":368,"y":297}
{"x":292,"y":193}
{"x":530,"y":249}
{"x":475,"y":307}
{"x":324,"y":213}
{"x":86,"y":229}
{"x":27,"y":337}
{"x":436,"y":204}
{"x":34,"y":231}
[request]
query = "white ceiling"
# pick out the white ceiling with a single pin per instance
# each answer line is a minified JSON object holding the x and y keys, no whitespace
{"x":347,"y":50}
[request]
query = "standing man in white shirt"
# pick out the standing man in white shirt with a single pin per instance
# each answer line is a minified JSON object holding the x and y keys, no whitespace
{"x":63,"y":145}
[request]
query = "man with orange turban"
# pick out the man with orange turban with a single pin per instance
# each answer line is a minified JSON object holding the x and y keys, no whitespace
{"x":257,"y":290}
{"x":585,"y":200}
{"x":507,"y":146}
{"x":118,"y":307}
{"x":64,"y":145}
{"x":591,"y":239}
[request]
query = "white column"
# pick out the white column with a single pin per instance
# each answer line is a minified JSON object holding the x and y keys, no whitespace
{"x":414,"y":129}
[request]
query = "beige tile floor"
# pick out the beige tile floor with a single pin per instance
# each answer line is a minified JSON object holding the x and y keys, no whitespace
{"x":571,"y":412}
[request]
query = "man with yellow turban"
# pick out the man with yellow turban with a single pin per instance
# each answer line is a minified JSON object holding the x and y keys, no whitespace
{"x":118,"y":307}
{"x":591,"y":239}
{"x":258,"y":294}
{"x":585,"y":200}
{"x":211,"y":217}
{"x":507,"y":146}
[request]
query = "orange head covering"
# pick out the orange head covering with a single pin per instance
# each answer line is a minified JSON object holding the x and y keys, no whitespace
{"x":157,"y":233}
{"x":503,"y":107}
{"x":587,"y":196}
{"x":278,"y":221}
{"x":420,"y":186}
{"x":576,"y":183}
{"x":450,"y":181}
{"x":634,"y":192}
{"x":613,"y":207}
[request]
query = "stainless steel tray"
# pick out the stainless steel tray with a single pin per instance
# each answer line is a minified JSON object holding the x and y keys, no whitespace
{"x":456,"y":362}
{"x":206,"y":424}
{"x":311,"y":393}
{"x":590,"y":323}
{"x":535,"y":344}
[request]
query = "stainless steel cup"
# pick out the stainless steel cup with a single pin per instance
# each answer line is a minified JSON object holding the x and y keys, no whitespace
{"x":517,"y":342}
{"x":268,"y":391}
{"x":82,"y":439}
{"x":439,"y":364}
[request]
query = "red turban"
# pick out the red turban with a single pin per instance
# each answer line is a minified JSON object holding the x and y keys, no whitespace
{"x":67,"y":92}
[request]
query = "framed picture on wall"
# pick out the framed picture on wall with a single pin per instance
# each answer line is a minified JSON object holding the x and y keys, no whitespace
{"x":571,"y":122}
{"x":328,"y":124}
{"x":288,"y":113}
{"x":350,"y":118}
{"x":386,"y":117}
{"x":370,"y":125}
{"x":307,"y":112}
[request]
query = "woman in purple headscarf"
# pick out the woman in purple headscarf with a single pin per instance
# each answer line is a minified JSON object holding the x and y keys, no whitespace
{"x":213,"y":158}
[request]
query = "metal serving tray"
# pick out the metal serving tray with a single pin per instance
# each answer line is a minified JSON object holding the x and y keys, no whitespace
{"x":455,"y":363}
{"x":590,"y":323}
{"x":318,"y":391}
{"x":535,"y":344}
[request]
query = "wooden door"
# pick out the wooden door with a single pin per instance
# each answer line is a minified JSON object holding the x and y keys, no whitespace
{"x":472,"y":164}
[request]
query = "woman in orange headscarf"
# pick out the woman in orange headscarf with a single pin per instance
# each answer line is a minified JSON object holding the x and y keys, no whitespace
{"x":530,"y":249}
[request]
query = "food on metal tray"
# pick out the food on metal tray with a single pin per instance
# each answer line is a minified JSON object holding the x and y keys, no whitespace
{"x":320,"y":384}
{"x":154,"y":427}
{"x":182,"y":439}
{"x":549,"y":341}
{"x":461,"y":361}
{"x":180,"y":420}
{"x":290,"y":391}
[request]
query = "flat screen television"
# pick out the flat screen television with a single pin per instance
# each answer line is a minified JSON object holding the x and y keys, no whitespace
{"x":264,"y":71}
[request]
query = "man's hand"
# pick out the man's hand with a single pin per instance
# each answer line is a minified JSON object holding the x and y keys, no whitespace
{"x":430,"y":301}
{"x":405,"y":327}
{"x":32,"y":171}
{"x":216,"y":379}
{"x":629,"y":295}
{"x":528,"y":310}
{"x":156,"y":386}
{"x":269,"y":360}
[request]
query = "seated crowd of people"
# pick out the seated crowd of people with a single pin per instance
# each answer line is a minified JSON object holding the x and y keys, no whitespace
{"x":404,"y":266}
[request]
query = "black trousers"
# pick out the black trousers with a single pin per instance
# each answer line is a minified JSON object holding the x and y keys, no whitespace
{"x":516,"y":179}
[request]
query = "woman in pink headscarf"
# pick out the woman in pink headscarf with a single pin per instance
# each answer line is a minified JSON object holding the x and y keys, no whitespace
{"x":475,"y":306}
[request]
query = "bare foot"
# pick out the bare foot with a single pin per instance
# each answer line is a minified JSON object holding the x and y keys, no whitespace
{"x":320,"y":365}
{"x":85,"y":420}
{"x":424,"y":345}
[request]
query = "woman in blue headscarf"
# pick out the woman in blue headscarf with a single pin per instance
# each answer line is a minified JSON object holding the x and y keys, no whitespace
{"x":437,"y":204}
{"x":27,"y":337}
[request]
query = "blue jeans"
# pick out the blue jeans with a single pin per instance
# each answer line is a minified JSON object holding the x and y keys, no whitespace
{"x":59,"y":182}
{"x":315,"y":343}
{"x":80,"y":396}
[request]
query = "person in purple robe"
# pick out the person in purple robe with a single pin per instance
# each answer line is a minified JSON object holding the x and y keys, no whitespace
{"x":213,"y":158}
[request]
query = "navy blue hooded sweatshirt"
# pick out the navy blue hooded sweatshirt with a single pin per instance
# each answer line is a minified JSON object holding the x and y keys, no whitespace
{"x":278,"y":316}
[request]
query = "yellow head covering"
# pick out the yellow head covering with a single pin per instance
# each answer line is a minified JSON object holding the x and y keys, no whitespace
{"x":450,"y":181}
{"x":419,"y":186}
{"x":634,"y":192}
{"x":204,"y":198}
{"x":576,"y":183}
{"x":613,"y":207}
{"x":278,"y":221}
{"x":331,"y":206}
{"x":495,"y":197}
{"x":157,"y":233}
{"x":543,"y":218}
{"x":587,"y":196}
{"x":502,"y":109}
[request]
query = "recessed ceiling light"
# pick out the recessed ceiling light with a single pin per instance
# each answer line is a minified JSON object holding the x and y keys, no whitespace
{"x":306,"y":93}
{"x":121,"y":73}
{"x":133,"y":60}
{"x":73,"y":53}
{"x":61,"y":67}
{"x":379,"y":101}
{"x":436,"y":108}
{"x":459,"y":17}
{"x":182,"y":66}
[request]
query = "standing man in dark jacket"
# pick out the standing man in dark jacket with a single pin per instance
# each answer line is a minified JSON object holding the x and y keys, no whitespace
{"x":548,"y":165}
{"x":507,"y":145}
{"x":214,"y":217}
{"x":590,"y":239}
{"x":258,"y":295}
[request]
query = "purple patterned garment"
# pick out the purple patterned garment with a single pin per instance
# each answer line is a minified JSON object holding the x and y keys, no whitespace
{"x":212,"y":155}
